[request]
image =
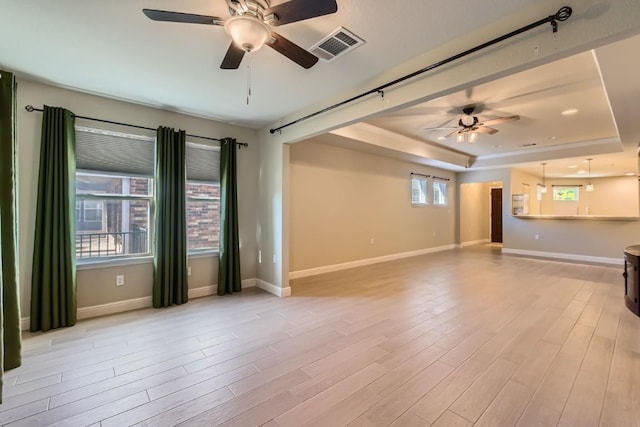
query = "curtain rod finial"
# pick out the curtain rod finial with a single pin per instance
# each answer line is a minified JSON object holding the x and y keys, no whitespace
{"x":29,"y":108}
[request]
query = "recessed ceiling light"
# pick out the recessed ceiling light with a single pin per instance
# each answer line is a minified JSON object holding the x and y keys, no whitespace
{"x":573,"y":166}
{"x":441,"y":138}
{"x":630,"y":173}
{"x":549,"y":138}
{"x":581,"y":171}
{"x":497,"y":146}
{"x":570,"y":112}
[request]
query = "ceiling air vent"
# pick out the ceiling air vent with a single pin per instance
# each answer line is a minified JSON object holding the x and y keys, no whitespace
{"x":336,"y":44}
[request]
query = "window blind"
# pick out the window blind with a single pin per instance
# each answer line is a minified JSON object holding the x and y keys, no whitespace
{"x":203,"y":163}
{"x":114,"y":152}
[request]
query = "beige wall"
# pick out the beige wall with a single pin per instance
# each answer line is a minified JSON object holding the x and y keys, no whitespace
{"x":591,"y":238}
{"x":340,"y":199}
{"x":617,"y":196}
{"x":475,"y":211}
{"x":97,"y":285}
{"x":525,"y":183}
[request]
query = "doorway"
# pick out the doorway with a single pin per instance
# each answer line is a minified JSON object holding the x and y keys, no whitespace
{"x":496,"y":215}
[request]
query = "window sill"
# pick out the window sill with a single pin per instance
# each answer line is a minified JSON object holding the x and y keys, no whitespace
{"x":419,"y":205}
{"x":114,"y":262}
{"x":117,"y":262}
{"x":203,"y":254}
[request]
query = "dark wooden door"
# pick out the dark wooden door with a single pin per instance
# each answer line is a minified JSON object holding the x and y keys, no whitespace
{"x":496,"y":215}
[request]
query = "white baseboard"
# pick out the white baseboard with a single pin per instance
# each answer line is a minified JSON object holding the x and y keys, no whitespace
{"x":273,"y":289}
{"x":564,"y":257}
{"x":362,"y":262}
{"x":473,"y":243}
{"x":136,"y":303}
{"x":213,"y":289}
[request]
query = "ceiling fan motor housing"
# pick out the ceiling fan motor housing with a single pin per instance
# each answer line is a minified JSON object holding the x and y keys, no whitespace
{"x":253,"y":8}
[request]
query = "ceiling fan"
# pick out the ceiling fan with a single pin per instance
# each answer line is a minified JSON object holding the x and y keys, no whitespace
{"x":250,"y":26}
{"x":469,"y":126}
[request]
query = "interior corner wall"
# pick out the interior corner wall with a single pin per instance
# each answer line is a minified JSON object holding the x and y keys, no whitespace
{"x":273,"y":212}
{"x":490,"y":178}
{"x":96,"y":286}
{"x":475,"y":212}
{"x":348,"y":205}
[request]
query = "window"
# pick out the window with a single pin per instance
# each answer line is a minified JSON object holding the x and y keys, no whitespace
{"x":114,"y":194}
{"x":203,"y":197}
{"x":418,"y":190}
{"x":566,"y":193}
{"x":439,"y":192}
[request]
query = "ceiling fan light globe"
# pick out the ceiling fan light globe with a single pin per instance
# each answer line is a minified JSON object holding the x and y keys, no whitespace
{"x":467,"y":120}
{"x":473,"y":137}
{"x":247,"y":32}
{"x":460,"y":138}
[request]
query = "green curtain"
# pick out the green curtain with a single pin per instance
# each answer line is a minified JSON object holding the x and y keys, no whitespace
{"x":170,"y":260}
{"x":10,"y":344}
{"x":53,"y":280}
{"x":229,"y":279}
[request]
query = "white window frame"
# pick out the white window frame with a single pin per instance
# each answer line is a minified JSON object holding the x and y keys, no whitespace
{"x":557,"y":187}
{"x":105,"y":261}
{"x":196,"y":199}
{"x":106,"y":197}
{"x":422,"y":198}
{"x":444,"y":195}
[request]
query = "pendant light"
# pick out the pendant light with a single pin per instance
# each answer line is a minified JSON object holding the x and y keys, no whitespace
{"x":543,"y":186}
{"x":589,"y":184}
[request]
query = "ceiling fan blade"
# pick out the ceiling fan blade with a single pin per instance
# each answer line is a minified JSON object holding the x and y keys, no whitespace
{"x":485,"y":129}
{"x":232,"y":58}
{"x":455,"y":132}
{"x":499,"y":120}
{"x":298,"y":10}
{"x":440,"y":128}
{"x":292,"y":51}
{"x":187,"y":18}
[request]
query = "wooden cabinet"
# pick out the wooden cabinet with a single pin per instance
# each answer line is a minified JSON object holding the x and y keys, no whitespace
{"x":632,"y":278}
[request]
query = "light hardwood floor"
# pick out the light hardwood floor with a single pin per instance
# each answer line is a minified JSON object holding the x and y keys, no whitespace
{"x":458,"y":338}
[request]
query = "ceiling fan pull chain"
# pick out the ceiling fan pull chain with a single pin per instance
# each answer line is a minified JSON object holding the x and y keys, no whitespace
{"x":248,"y":81}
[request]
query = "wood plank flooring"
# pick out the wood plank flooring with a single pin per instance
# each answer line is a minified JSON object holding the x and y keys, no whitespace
{"x":458,"y":338}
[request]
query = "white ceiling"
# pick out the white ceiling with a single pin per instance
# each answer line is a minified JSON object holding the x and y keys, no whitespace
{"x":112,"y":49}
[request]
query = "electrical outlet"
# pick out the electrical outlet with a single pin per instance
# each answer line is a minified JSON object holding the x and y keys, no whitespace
{"x":274,"y":258}
{"x":371,"y":240}
{"x":537,"y":236}
{"x":120,"y":280}
{"x":189,"y":270}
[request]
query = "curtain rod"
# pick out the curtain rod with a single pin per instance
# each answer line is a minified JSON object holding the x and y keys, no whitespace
{"x":561,"y":15}
{"x":421,"y":174}
{"x":440,"y":178}
{"x":31,"y":109}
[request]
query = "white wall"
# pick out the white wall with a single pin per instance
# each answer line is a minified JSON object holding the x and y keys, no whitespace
{"x":340,"y":199}
{"x":96,"y":286}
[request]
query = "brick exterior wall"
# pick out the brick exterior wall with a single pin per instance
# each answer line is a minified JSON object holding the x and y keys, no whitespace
{"x":203,"y":217}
